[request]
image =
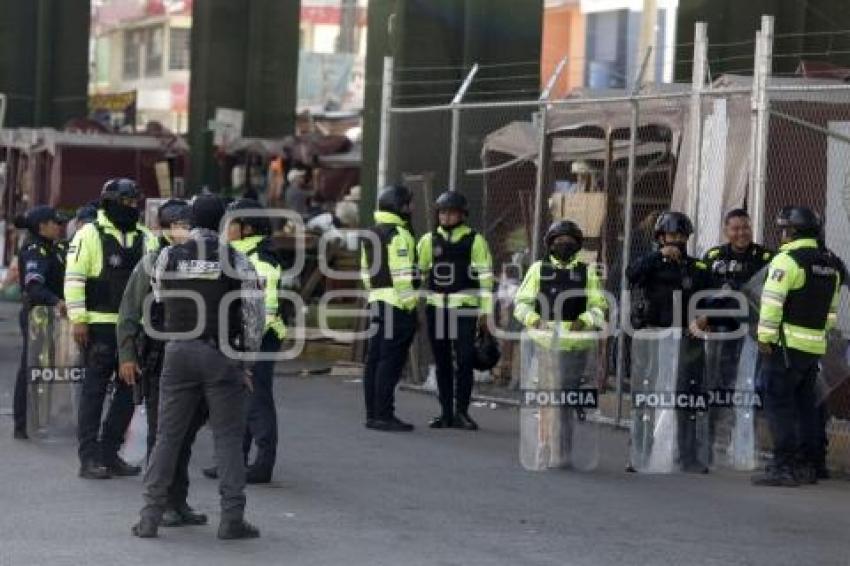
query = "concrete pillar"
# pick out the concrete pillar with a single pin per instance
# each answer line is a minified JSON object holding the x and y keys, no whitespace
{"x":44,"y":60}
{"x":244,"y":56}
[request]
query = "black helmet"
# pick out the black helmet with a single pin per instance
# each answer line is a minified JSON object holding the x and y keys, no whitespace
{"x":394,"y":198}
{"x":803,"y":220}
{"x":563,"y":228}
{"x":260,"y":224}
{"x":174,"y":210}
{"x":37,"y":215}
{"x":670,"y":222}
{"x":116,"y":189}
{"x":452,"y":200}
{"x":86,"y":213}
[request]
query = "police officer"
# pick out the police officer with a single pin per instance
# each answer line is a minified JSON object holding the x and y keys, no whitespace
{"x":200,"y":362}
{"x":798,"y":306}
{"x":549,"y":293}
{"x":100,"y":259}
{"x":732,"y":266}
{"x":41,"y":268}
{"x":455,"y":263}
{"x":389,"y":274}
{"x":667,"y":279}
{"x":140,"y":358}
{"x":250,"y":236}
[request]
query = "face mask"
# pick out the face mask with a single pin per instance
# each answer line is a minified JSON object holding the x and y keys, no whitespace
{"x":125,"y":218}
{"x":565,"y":251}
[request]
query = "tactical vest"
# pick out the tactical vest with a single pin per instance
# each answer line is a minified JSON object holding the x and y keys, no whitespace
{"x":809,"y":306}
{"x":554,"y":282}
{"x":104,"y":292}
{"x":186,"y":271}
{"x":737,"y":269}
{"x":384,"y":233}
{"x":451,"y":270}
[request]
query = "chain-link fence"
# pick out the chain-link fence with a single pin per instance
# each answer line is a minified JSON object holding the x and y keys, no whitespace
{"x":613,"y":160}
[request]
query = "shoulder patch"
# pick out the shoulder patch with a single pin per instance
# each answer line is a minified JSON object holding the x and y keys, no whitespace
{"x":777,"y":274}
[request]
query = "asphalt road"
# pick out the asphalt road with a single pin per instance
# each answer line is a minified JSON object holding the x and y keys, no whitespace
{"x":345,"y":495}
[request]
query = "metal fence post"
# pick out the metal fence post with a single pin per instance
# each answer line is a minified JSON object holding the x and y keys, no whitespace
{"x":455,"y":140}
{"x":386,"y":116}
{"x":764,"y":69}
{"x":542,"y":161}
{"x":627,"y":236}
{"x":696,"y":126}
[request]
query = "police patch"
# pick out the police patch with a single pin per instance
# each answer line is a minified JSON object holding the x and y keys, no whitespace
{"x":31,"y":266}
{"x":777,"y":275}
{"x":115,"y":260}
{"x":402,"y":252}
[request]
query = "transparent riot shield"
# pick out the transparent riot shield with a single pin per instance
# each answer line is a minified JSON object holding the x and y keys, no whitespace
{"x":733,"y":402}
{"x":55,"y":370}
{"x":559,"y":425}
{"x":669,"y":403}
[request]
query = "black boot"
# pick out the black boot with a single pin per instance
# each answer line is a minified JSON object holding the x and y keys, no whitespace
{"x":232,"y":530}
{"x":21,"y":434}
{"x":182,"y":515}
{"x":120,"y":468}
{"x":392,"y":424}
{"x":464,"y":421}
{"x":211,"y":473}
{"x":258,"y":474}
{"x":91,"y":470}
{"x":443,"y":421}
{"x":145,"y":528}
{"x":776,"y":477}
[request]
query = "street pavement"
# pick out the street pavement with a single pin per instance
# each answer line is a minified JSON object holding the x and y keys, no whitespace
{"x":344,"y":495}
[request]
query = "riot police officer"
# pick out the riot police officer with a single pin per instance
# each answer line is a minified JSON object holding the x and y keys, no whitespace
{"x":798,"y":306}
{"x":667,"y":279}
{"x":100,"y":259}
{"x":250,"y":236}
{"x":733,"y":265}
{"x":455,"y":263}
{"x":388,"y":265}
{"x":201,"y":362}
{"x":41,"y":268}
{"x":140,"y":358}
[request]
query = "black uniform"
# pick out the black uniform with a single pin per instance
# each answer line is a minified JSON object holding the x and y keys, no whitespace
{"x":197,"y":369}
{"x":41,"y":266}
{"x":658,"y":281}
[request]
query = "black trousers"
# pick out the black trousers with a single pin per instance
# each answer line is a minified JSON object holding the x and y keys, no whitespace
{"x":790,"y":404}
{"x":178,"y":493}
{"x":22,"y":381}
{"x":262,"y":412}
{"x":193,"y":371}
{"x":392,"y":332}
{"x":101,"y":359}
{"x":452,"y":336}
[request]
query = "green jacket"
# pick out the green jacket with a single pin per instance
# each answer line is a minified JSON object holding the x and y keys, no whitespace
{"x":401,"y":254}
{"x":85,"y":260}
{"x":593,"y":318}
{"x":481,"y":262}
{"x":130,"y":326}
{"x":269,"y":278}
{"x":785,"y":275}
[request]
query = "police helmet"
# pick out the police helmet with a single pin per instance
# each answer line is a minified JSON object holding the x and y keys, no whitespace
{"x":802,"y":220}
{"x":174,"y":210}
{"x":563,"y":228}
{"x":452,"y":200}
{"x":260,"y":224}
{"x":36,"y":216}
{"x":394,"y":198}
{"x":670,"y":222}
{"x":117,"y":189}
{"x":86,"y":213}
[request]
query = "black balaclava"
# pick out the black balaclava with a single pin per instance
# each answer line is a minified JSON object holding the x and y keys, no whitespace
{"x":564,"y":251}
{"x":124,"y":217}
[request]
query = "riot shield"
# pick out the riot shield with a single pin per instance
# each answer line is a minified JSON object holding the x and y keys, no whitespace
{"x":559,"y":425}
{"x":669,"y":403}
{"x":733,"y":402}
{"x":55,"y":369}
